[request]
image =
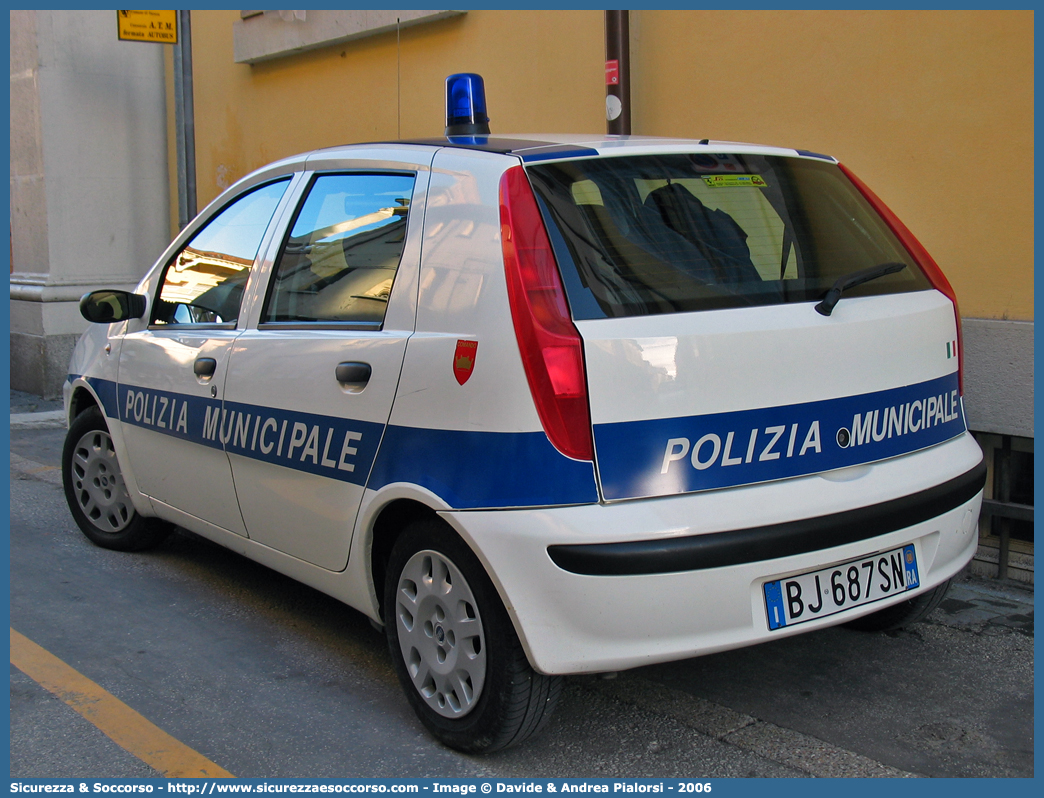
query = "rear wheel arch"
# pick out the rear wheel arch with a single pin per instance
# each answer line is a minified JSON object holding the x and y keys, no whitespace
{"x":390,"y":523}
{"x":454,"y":647}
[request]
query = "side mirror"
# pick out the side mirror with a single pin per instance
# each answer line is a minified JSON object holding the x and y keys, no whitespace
{"x":108,"y":306}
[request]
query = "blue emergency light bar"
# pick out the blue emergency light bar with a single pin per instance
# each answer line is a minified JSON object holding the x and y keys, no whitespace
{"x":466,"y":105}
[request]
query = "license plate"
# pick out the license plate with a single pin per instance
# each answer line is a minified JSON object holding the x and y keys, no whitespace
{"x":817,"y":594}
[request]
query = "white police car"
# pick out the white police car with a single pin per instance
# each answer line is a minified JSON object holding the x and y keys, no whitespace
{"x":542,"y":405}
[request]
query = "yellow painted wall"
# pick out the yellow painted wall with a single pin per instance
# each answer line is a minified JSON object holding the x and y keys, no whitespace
{"x":247,"y":116}
{"x":933,"y":109}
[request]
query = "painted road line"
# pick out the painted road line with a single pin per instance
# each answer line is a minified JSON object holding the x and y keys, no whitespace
{"x":128,"y":729}
{"x":30,"y":468}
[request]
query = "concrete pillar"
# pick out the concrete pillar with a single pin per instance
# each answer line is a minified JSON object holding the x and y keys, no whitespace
{"x":89,"y":179}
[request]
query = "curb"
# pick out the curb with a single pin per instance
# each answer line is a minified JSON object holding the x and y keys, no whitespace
{"x":49,"y":419}
{"x":783,"y":746}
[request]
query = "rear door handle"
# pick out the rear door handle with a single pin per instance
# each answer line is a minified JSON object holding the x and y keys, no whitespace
{"x":353,"y":373}
{"x":204,"y":367}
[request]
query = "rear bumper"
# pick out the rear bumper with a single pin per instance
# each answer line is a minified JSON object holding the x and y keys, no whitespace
{"x":610,"y":587}
{"x":770,"y":542}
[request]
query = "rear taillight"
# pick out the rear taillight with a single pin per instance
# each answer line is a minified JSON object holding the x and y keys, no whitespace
{"x":920,"y":255}
{"x":551,"y":348}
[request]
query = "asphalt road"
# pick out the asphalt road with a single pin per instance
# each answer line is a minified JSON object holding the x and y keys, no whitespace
{"x":269,"y":678}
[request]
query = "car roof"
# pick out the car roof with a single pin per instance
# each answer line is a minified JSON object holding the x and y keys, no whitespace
{"x":528,"y":147}
{"x":543,"y":146}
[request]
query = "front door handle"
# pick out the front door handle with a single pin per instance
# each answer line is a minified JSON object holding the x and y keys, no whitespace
{"x":204,"y":367}
{"x":353,"y":373}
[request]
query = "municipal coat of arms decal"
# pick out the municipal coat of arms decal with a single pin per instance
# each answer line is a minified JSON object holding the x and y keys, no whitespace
{"x":464,"y":360}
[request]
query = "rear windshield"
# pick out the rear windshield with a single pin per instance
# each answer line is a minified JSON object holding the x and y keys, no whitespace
{"x":648,"y":234}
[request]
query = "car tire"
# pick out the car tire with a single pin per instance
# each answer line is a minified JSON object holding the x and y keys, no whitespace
{"x":454,"y":647}
{"x":96,"y":493}
{"x":905,"y":613}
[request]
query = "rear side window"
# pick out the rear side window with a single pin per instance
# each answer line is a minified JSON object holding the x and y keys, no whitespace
{"x":340,"y":260}
{"x":671,"y":233}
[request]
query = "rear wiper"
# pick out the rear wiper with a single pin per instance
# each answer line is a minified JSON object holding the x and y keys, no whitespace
{"x":826,"y":307}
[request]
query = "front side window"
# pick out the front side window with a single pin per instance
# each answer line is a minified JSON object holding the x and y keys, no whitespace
{"x":340,"y":260}
{"x":671,"y":233}
{"x":204,"y":283}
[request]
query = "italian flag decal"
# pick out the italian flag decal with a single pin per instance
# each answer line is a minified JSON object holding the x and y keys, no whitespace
{"x":951,"y":349}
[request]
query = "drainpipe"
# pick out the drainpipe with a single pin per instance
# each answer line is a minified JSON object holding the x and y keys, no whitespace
{"x":185,"y":121}
{"x":617,"y":73}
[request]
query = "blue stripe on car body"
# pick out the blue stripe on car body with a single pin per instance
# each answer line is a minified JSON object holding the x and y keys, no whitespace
{"x":468,"y":470}
{"x":637,"y":459}
{"x":670,"y":456}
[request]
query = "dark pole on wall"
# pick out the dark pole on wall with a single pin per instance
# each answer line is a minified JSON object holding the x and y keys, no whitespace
{"x":185,"y":121}
{"x":617,"y":73}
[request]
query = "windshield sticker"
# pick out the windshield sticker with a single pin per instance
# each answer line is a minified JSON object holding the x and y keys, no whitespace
{"x":729,"y":181}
